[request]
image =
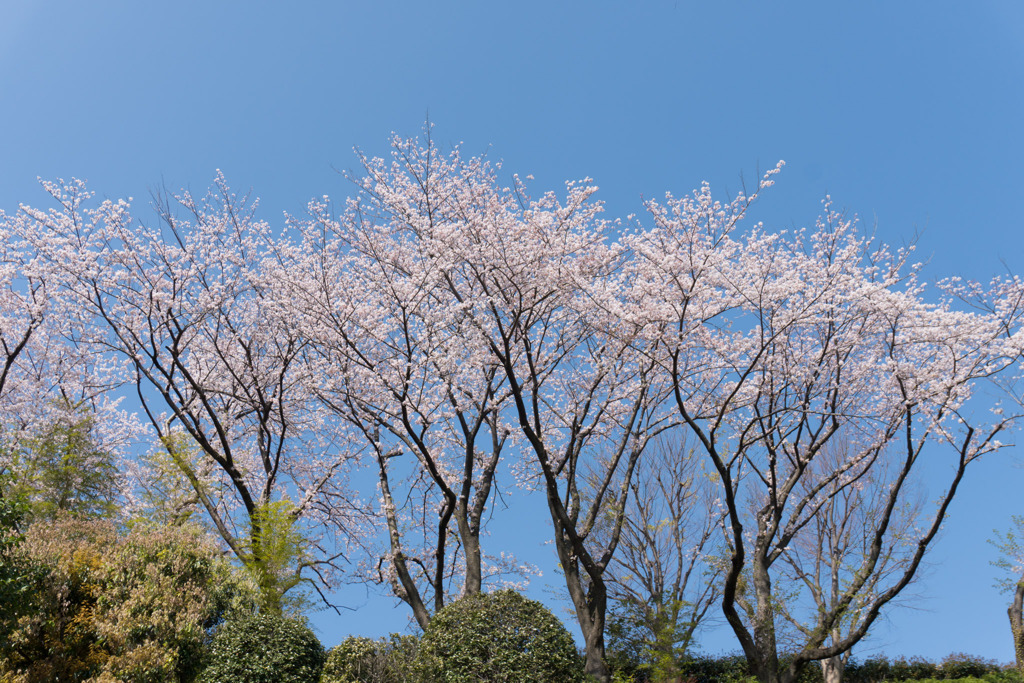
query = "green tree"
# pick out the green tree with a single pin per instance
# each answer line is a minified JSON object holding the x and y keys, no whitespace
{"x":177,"y":480}
{"x":173,"y":480}
{"x":663,"y":580}
{"x":275,"y":556}
{"x":1011,"y":561}
{"x":63,"y":468}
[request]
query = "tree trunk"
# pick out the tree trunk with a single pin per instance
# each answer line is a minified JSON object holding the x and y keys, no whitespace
{"x":832,"y":669}
{"x":590,"y":614}
{"x":471,"y":550}
{"x":594,"y":664}
{"x":1017,"y":623}
{"x":764,"y":622}
{"x":590,"y":603}
{"x":402,"y":584}
{"x":765,"y":672}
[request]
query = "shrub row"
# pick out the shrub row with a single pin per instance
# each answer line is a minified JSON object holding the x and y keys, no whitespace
{"x":503,"y":637}
{"x":957,"y":666}
{"x":81,"y":601}
{"x":734,"y":668}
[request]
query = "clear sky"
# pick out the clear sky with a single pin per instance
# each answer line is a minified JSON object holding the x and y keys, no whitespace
{"x":908,"y":113}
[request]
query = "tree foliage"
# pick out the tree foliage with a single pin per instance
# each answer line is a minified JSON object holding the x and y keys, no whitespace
{"x":63,"y":469}
{"x":665,"y":577}
{"x":777,"y":345}
{"x":276,"y":556}
{"x":188,"y":307}
{"x":19,"y":575}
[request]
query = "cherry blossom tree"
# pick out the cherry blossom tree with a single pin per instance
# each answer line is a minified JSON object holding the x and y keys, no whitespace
{"x":36,"y":365}
{"x":446,"y":330}
{"x":398,"y":369}
{"x":48,"y":380}
{"x":190,"y":305}
{"x":518,"y":278}
{"x":23,"y":302}
{"x":778,"y":345}
{"x":823,"y":560}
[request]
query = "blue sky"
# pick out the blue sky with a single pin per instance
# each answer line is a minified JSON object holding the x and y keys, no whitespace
{"x":908,"y":114}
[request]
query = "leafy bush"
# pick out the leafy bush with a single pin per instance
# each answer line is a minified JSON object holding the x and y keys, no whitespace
{"x":957,"y":666}
{"x":362,"y":660}
{"x":350,"y":661}
{"x":715,"y":669}
{"x":105,"y":605}
{"x":18,"y":575}
{"x":1009,"y":674}
{"x":960,"y":665}
{"x":58,"y":639}
{"x":872,"y":669}
{"x":913,"y":669}
{"x":264,"y":648}
{"x":163,"y":589}
{"x":497,"y":637}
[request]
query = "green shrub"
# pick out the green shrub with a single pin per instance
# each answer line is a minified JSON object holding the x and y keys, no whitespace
{"x":19,"y":576}
{"x":102,"y":605}
{"x":400,"y":652}
{"x":714,"y":669}
{"x":871,"y":669}
{"x":350,"y":661}
{"x":988,"y":678}
{"x":362,"y":660}
{"x":955,"y":667}
{"x":497,"y":637}
{"x":264,"y":648}
{"x":960,"y":665}
{"x":914,"y":669}
{"x":1009,"y":674}
{"x":58,"y":639}
{"x":163,"y":589}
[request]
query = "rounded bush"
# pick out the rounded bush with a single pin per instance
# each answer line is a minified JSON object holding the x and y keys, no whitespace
{"x":264,"y":648}
{"x":351,"y":660}
{"x":361,"y":660}
{"x":961,"y":665}
{"x":492,"y":637}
